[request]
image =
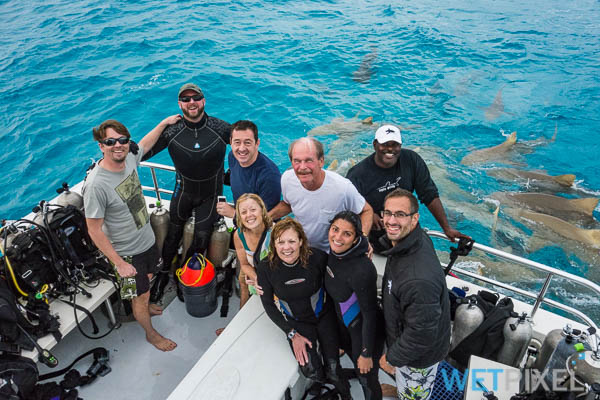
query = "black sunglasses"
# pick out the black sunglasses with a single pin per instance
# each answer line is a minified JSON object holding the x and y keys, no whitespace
{"x":187,"y":99}
{"x":112,"y":141}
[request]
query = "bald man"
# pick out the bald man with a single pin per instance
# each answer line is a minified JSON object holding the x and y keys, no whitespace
{"x":315,"y":195}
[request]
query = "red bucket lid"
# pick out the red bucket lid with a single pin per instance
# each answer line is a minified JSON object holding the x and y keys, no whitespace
{"x":196,"y":277}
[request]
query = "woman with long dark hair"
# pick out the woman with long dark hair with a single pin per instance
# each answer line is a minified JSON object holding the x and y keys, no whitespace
{"x":294,"y":299}
{"x":351,"y":282}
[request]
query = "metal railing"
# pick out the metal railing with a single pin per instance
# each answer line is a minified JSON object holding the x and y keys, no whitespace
{"x":153,"y":167}
{"x":540,"y":297}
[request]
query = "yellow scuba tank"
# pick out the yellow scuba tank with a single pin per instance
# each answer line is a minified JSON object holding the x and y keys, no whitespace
{"x":218,"y":248}
{"x":159,"y":220}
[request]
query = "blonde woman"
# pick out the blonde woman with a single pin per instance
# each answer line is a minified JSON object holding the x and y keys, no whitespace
{"x":251,"y":241}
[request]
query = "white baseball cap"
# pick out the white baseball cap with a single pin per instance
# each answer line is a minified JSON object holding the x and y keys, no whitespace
{"x":385,"y":133}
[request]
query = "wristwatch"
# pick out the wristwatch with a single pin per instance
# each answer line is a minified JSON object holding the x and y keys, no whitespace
{"x":291,"y":334}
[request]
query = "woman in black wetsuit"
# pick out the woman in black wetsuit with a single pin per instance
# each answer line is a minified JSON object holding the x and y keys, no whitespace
{"x":294,"y":274}
{"x":350,"y":281}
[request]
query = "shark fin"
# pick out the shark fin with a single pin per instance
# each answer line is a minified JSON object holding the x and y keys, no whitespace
{"x":368,"y":120}
{"x":564,"y":180}
{"x":495,"y":213}
{"x":333,"y":166}
{"x":357,"y":113}
{"x":586,"y":205}
{"x":553,"y":139}
{"x":512,"y":139}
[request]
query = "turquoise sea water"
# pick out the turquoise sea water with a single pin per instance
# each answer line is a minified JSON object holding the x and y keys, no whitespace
{"x":288,"y":65}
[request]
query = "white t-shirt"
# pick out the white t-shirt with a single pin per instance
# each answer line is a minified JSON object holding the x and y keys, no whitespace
{"x":314,"y":209}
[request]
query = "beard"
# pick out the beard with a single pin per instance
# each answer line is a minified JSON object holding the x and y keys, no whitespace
{"x":195,"y":113}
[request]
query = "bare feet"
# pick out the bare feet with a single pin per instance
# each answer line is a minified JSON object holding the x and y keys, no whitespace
{"x":160,"y":342}
{"x":389,"y":390}
{"x":154,"y":309}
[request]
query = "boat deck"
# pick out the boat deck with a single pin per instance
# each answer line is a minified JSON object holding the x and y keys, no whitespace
{"x":139,"y":371}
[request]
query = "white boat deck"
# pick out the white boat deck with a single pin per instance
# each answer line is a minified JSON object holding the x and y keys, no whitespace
{"x":140,"y":371}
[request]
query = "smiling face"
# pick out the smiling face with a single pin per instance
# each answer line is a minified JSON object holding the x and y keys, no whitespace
{"x":386,"y":154}
{"x":117,"y":152}
{"x":397,"y":228}
{"x":192,"y":110}
{"x":244,"y":147}
{"x":287,"y":246}
{"x":307,"y":166}
{"x":251,"y":214}
{"x":342,"y":236}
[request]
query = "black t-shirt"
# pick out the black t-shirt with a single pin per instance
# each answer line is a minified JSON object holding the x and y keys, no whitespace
{"x":299,"y":289}
{"x":410,"y":173}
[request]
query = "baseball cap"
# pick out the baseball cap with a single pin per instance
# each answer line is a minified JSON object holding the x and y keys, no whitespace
{"x":385,"y":133}
{"x":190,"y":86}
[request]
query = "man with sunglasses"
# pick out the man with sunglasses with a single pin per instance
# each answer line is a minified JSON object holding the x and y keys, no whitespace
{"x":117,"y":217}
{"x":391,"y":167}
{"x":197,"y":144}
{"x":415,"y":299}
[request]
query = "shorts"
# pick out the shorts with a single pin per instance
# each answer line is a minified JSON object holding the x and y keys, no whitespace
{"x":145,"y":263}
{"x":415,"y":383}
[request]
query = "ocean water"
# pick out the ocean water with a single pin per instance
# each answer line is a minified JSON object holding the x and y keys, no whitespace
{"x":289,"y":66}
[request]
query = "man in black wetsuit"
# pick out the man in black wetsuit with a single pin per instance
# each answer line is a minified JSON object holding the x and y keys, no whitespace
{"x":392,"y":167}
{"x":197,"y":145}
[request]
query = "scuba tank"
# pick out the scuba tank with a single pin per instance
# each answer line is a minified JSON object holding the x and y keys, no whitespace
{"x":67,"y":197}
{"x":468,"y":317}
{"x":188,"y":236}
{"x":564,"y":349}
{"x":585,"y":366}
{"x":218,"y":248}
{"x":159,"y":220}
{"x":550,"y":342}
{"x":517,"y":335}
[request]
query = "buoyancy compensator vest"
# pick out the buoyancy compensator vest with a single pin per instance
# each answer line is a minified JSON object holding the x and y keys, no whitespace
{"x":488,"y":338}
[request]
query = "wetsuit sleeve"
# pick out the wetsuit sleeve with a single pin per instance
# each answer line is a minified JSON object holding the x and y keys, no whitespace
{"x":364,"y":285}
{"x":267,"y":299}
{"x":162,"y":142}
{"x":424,"y":185}
{"x":421,"y":316}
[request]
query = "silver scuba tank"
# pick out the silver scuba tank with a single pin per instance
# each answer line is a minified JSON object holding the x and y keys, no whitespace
{"x":218,"y":248}
{"x":585,"y":366}
{"x":550,"y":342}
{"x":564,"y":349}
{"x":159,"y":220}
{"x":188,"y":236}
{"x":468,"y":317}
{"x":517,"y":335}
{"x":68,"y":197}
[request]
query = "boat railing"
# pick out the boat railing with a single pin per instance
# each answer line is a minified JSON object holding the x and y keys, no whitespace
{"x":153,"y":167}
{"x":540,"y":296}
